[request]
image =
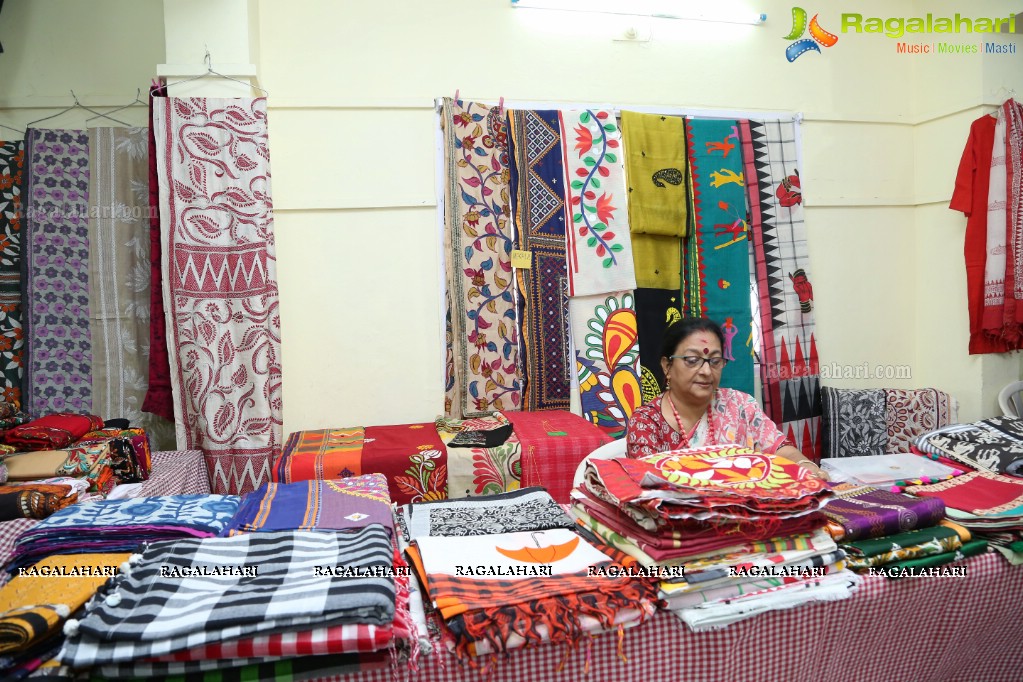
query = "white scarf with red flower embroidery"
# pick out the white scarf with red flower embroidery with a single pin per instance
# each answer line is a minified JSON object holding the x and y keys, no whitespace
{"x":599,"y":248}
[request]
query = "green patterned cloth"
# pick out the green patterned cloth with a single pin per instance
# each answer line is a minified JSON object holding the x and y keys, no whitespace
{"x":901,"y":547}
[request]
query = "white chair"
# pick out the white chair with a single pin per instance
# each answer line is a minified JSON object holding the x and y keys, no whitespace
{"x":615,"y":448}
{"x":1010,"y":399}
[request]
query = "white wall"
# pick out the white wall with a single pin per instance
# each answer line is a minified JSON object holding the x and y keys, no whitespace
{"x":353,"y":137}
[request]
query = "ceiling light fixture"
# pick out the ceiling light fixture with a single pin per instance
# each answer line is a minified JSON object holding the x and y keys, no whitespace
{"x":646,"y":8}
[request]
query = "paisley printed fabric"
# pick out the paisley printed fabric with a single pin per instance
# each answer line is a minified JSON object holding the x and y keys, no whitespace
{"x":854,"y":422}
{"x":599,"y":244}
{"x":119,"y":278}
{"x":58,"y":366}
{"x":605,"y":336}
{"x":12,"y":340}
{"x":912,"y":545}
{"x":483,"y":375}
{"x":911,"y":413}
{"x":220,"y":284}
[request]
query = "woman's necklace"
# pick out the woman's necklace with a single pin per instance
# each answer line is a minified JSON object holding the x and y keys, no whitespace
{"x":682,"y":427}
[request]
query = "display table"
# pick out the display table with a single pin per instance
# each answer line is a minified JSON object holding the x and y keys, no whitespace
{"x":919,"y":629}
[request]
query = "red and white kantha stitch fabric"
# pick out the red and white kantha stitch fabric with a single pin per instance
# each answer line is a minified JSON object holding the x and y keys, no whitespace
{"x":220,"y":284}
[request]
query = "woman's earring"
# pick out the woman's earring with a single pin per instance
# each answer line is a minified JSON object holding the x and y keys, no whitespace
{"x":667,"y":383}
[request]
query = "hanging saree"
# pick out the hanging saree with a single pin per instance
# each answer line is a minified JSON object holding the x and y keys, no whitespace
{"x":12,"y":342}
{"x":789,"y":368}
{"x":220,"y":284}
{"x":599,"y":245}
{"x":655,"y":165}
{"x":58,"y":364}
{"x":537,"y":176}
{"x":478,"y":243}
{"x":119,"y":277}
{"x":717,"y":253}
{"x":604,"y":335}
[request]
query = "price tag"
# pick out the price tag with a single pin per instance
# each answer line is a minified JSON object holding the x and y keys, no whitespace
{"x":521,"y":259}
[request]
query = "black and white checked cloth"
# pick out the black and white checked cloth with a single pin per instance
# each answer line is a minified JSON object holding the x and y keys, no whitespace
{"x":144,"y":613}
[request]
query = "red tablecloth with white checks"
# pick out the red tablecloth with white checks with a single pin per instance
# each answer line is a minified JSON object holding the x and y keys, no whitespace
{"x":922,"y":629}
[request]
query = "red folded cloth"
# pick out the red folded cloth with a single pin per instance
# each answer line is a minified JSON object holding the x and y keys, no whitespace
{"x":52,"y":432}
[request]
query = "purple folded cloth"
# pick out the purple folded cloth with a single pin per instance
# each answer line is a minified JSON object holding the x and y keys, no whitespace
{"x":346,"y":504}
{"x":875,"y":513}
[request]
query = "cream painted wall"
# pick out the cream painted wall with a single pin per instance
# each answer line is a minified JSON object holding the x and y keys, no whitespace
{"x":353,"y":134}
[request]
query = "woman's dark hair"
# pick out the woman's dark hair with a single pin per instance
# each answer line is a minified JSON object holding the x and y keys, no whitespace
{"x":677,"y":331}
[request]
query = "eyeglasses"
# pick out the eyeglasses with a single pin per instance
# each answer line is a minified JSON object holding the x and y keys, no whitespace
{"x":695,"y":361}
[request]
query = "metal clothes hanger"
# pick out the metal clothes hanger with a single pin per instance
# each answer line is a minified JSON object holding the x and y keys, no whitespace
{"x":20,"y":132}
{"x":211,"y":72}
{"x":138,"y":100}
{"x":76,"y":105}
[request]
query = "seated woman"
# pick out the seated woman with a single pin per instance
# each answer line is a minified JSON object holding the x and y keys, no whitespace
{"x":693,"y":411}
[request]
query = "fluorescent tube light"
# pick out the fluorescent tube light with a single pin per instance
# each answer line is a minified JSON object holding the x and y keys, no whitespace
{"x":646,"y":8}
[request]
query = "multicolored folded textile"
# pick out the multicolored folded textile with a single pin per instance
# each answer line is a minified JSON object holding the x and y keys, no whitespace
{"x":93,"y":462}
{"x":901,"y":546}
{"x":33,"y":501}
{"x":904,"y":568}
{"x":874,"y":513}
{"x":981,"y":493}
{"x":131,"y":450}
{"x":266,"y":583}
{"x":481,"y":470}
{"x":413,"y":458}
{"x":994,"y":444}
{"x":831,"y":587}
{"x":320,"y":454}
{"x":347,"y":504}
{"x":527,"y":509}
{"x":35,"y":603}
{"x":553,"y":443}
{"x":120,"y":525}
{"x":507,"y":594}
{"x":52,"y":432}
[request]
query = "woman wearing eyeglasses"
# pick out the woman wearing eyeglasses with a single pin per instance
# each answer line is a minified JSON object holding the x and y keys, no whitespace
{"x":693,"y":411}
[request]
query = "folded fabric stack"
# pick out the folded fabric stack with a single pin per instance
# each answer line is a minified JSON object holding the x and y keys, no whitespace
{"x":353,"y":512}
{"x":484,"y":455}
{"x":52,"y":432}
{"x":994,"y":445}
{"x":121,"y":525}
{"x":34,"y":606}
{"x":245,"y":590}
{"x":989,"y":505}
{"x":131,"y":455}
{"x":35,"y":500}
{"x":885,"y":530}
{"x":733,"y":532}
{"x":510,"y":570}
{"x":320,"y":454}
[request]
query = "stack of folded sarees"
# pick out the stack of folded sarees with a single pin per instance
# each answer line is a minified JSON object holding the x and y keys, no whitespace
{"x":304,"y":578}
{"x":512,"y":570}
{"x":732,"y":532}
